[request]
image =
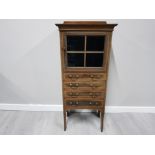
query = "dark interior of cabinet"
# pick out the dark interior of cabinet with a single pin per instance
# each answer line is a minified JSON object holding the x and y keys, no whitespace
{"x":75,"y":59}
{"x":85,"y":51}
{"x":95,"y":43}
{"x":75,"y":43}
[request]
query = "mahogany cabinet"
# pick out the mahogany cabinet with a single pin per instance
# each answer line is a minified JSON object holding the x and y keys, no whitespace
{"x":85,"y":49}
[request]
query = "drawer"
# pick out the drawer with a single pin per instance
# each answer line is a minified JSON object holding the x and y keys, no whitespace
{"x":84,"y":86}
{"x":83,"y":103}
{"x":84,"y":95}
{"x":84,"y":77}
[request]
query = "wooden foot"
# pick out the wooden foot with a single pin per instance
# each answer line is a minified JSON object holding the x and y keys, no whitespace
{"x":65,"y":123}
{"x":68,"y":113}
{"x":101,"y":117}
{"x":98,"y":113}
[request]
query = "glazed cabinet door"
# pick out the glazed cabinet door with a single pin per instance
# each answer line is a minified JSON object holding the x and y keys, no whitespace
{"x":84,"y":51}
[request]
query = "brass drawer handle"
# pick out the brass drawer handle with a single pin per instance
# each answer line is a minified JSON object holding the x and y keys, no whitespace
{"x":73,"y":94}
{"x":77,"y":85}
{"x":70,"y":94}
{"x":92,"y":86}
{"x":71,"y":103}
{"x":73,"y":86}
{"x":94,"y":95}
{"x":70,"y":76}
{"x":70,"y":84}
{"x":93,"y":103}
{"x":77,"y":76}
{"x":91,"y":76}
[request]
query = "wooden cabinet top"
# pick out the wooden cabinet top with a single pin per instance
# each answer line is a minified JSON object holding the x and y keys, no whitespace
{"x":86,"y":25}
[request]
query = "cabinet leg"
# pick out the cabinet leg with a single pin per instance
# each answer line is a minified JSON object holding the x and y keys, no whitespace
{"x":68,"y":113}
{"x":98,"y":113}
{"x":65,"y":123}
{"x":101,"y":117}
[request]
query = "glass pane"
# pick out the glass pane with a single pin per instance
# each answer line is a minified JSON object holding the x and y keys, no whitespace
{"x":95,"y":43}
{"x":75,"y":59}
{"x":94,"y":59}
{"x":75,"y":43}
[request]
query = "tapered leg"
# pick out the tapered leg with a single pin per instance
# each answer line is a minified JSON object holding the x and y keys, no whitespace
{"x":101,"y":118}
{"x":98,"y":113}
{"x":65,"y":123}
{"x":68,"y":113}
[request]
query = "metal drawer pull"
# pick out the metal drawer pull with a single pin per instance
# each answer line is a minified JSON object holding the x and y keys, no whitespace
{"x":73,"y":94}
{"x":70,"y":84}
{"x":77,"y":103}
{"x":92,"y":86}
{"x":73,"y":86}
{"x":70,"y":94}
{"x":70,"y":76}
{"x":92,"y":95}
{"x":92,"y":76}
{"x":76,"y":84}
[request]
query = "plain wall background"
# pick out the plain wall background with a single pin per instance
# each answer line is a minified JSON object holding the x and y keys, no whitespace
{"x":30,"y":71}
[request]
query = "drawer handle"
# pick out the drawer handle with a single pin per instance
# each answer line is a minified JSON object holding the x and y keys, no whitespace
{"x":73,"y":95}
{"x":92,"y":86}
{"x":77,"y":76}
{"x":93,"y":95}
{"x":70,"y":76}
{"x":70,"y":94}
{"x":93,"y":103}
{"x":73,"y":77}
{"x":70,"y":84}
{"x":74,"y":86}
{"x":92,"y":77}
{"x":70,"y":103}
{"x":77,"y":85}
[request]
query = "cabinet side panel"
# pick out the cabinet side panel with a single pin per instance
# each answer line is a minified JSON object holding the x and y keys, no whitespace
{"x":62,"y":62}
{"x":108,"y":59}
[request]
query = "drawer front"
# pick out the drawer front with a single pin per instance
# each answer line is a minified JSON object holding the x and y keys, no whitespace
{"x":88,"y":77}
{"x":84,"y":95}
{"x":84,"y":86}
{"x":83,"y":103}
